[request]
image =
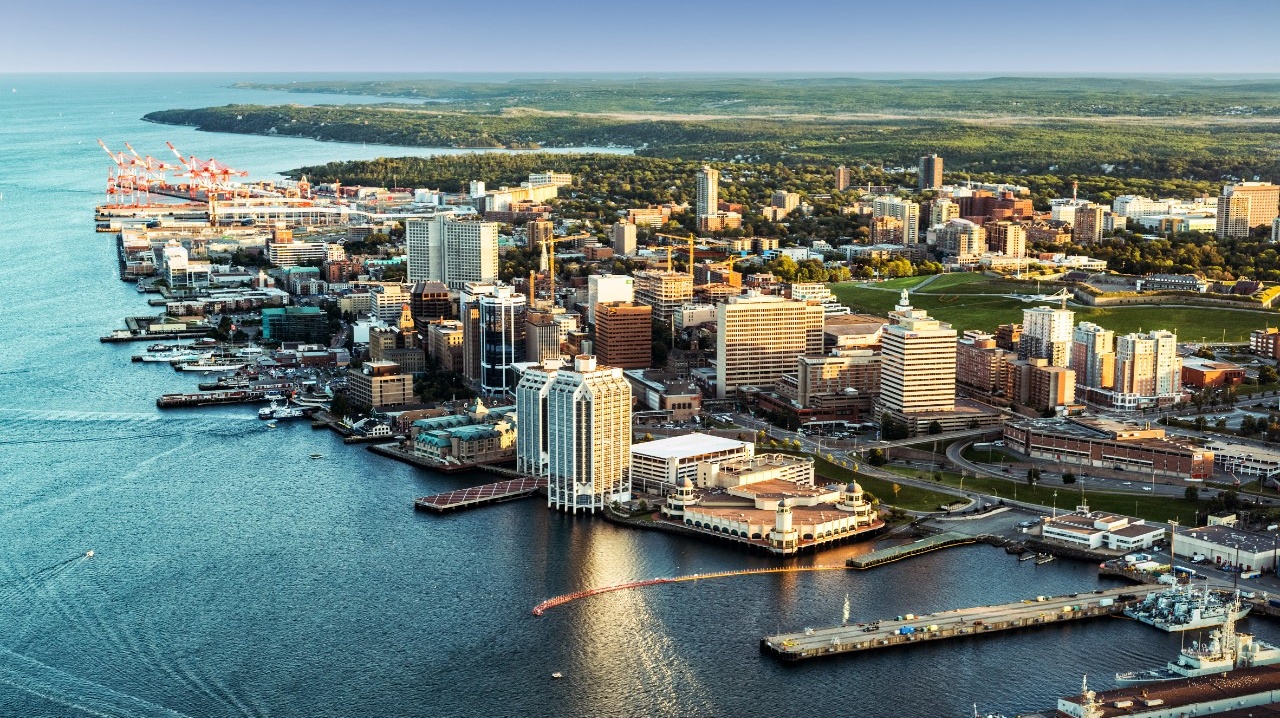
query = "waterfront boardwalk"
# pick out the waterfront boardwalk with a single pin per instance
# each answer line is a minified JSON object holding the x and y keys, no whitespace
{"x":976,"y":621}
{"x":480,"y":495}
{"x":915,"y":548}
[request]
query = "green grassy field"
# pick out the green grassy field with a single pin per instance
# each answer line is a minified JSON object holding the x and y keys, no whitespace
{"x":957,"y":299}
{"x":910,"y":498}
{"x":1152,"y":508}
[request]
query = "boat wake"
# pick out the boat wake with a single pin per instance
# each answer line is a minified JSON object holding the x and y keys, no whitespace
{"x":28,"y":675}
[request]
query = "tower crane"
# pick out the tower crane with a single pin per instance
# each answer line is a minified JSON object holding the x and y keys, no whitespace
{"x":550,"y":244}
{"x":691,"y":239}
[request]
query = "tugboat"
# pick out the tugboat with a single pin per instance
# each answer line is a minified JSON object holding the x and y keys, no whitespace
{"x":1225,"y":651}
{"x":1183,"y":608}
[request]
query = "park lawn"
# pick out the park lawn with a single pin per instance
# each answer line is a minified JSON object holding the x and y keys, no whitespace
{"x":967,"y":311}
{"x":910,"y":498}
{"x":1151,"y":507}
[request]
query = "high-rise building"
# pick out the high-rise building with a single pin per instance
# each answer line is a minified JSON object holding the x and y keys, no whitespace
{"x":886,"y":230}
{"x":943,"y":210}
{"x":493,"y":322}
{"x":531,"y":408}
{"x":1046,"y":333}
{"x":624,"y":334}
{"x":603,"y":288}
{"x":537,"y":232}
{"x":961,"y":238}
{"x":588,"y":426}
{"x":786,"y":201}
{"x":664,"y":291}
{"x":758,"y":338}
{"x":444,"y":344}
{"x":1007,"y":238}
{"x":1093,"y":356}
{"x":843,"y":178}
{"x":1245,"y":205}
{"x":1089,"y":223}
{"x":918,"y":363}
{"x":930,"y":172}
{"x":623,"y":236}
{"x":444,"y":249}
{"x":430,"y":301}
{"x":1136,"y":365}
{"x":905,"y":211}
{"x":543,"y":334}
{"x":708,"y":201}
{"x":981,"y":366}
{"x":1168,"y":365}
{"x":1275,"y":230}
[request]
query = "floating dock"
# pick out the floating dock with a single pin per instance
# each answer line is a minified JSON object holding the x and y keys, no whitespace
{"x":976,"y":621}
{"x":480,"y":495}
{"x":210,"y":398}
{"x":915,"y":548}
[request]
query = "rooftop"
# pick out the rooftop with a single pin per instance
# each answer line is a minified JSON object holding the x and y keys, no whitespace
{"x":1230,"y":536}
{"x":677,"y":447}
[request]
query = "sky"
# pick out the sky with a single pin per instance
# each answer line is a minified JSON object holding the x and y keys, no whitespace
{"x":920,"y":37}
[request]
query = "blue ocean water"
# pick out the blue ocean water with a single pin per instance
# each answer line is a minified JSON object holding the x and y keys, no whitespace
{"x":233,"y":576}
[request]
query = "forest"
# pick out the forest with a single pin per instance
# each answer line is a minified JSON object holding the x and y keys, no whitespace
{"x":1209,"y":151}
{"x":992,"y":96}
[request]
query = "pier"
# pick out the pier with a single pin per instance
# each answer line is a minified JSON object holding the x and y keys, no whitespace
{"x":976,"y":621}
{"x":897,"y":553}
{"x":480,"y":495}
{"x":210,"y":398}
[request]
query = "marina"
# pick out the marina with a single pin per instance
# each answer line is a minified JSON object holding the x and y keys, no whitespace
{"x":910,"y":629}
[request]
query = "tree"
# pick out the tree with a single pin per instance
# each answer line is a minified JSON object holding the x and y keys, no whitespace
{"x":935,"y":427}
{"x":1267,"y":375}
{"x":876,"y":457}
{"x":1199,"y":423}
{"x":896,"y":489}
{"x":1069,"y":477}
{"x":1033,"y":475}
{"x":1192,"y":493}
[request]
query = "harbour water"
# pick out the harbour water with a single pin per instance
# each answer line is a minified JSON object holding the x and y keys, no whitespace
{"x":234,"y":576}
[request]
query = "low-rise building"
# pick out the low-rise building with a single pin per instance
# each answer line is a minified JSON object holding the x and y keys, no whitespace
{"x":481,"y":435}
{"x":1200,"y":373}
{"x":761,"y":467}
{"x":658,"y":466}
{"x":1225,"y":544}
{"x":1109,"y":445}
{"x":380,"y":384}
{"x":1095,"y":529}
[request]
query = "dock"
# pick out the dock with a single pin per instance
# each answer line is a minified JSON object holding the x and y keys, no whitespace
{"x":897,"y":553}
{"x":481,"y":495}
{"x":963,"y":622}
{"x":211,"y":398}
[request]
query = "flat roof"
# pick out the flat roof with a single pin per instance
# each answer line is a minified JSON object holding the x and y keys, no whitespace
{"x":685,"y":445}
{"x":1231,"y":537}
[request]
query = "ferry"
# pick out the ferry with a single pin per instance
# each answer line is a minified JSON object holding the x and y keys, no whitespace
{"x":1184,"y":608}
{"x":1225,"y":651}
{"x":280,"y":411}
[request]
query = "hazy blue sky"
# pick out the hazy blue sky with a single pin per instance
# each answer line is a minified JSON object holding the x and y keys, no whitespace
{"x":921,"y":37}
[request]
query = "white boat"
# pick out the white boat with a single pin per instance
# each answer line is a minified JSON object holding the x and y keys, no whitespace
{"x":1185,"y":608}
{"x":176,"y":355}
{"x":557,"y":675}
{"x":208,"y":365}
{"x":280,"y":411}
{"x":317,"y":456}
{"x":1226,"y":650}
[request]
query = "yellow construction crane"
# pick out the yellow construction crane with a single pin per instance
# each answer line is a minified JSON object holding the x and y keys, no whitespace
{"x":690,"y":239}
{"x":550,"y":245}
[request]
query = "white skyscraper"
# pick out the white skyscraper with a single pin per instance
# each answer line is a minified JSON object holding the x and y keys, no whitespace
{"x":531,"y":413}
{"x":444,"y":249}
{"x":588,"y":427}
{"x":918,"y":363}
{"x":1047,"y":334}
{"x":708,"y":191}
{"x":904,"y":211}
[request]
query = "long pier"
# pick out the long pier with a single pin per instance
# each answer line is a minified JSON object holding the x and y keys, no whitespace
{"x":560,"y":600}
{"x":976,"y":621}
{"x":480,"y":495}
{"x":897,"y":553}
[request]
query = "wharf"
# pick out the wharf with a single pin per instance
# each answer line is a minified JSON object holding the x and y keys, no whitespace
{"x":976,"y":621}
{"x":915,"y":548}
{"x":392,"y":450}
{"x":480,"y":495}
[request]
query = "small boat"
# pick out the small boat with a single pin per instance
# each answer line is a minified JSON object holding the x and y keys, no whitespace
{"x":317,"y":456}
{"x":557,"y":675}
{"x":271,"y":424}
{"x":1044,"y":558}
{"x":88,"y":554}
{"x":1026,"y":557}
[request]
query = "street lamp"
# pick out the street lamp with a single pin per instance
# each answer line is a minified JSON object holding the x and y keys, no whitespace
{"x":1055,"y":504}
